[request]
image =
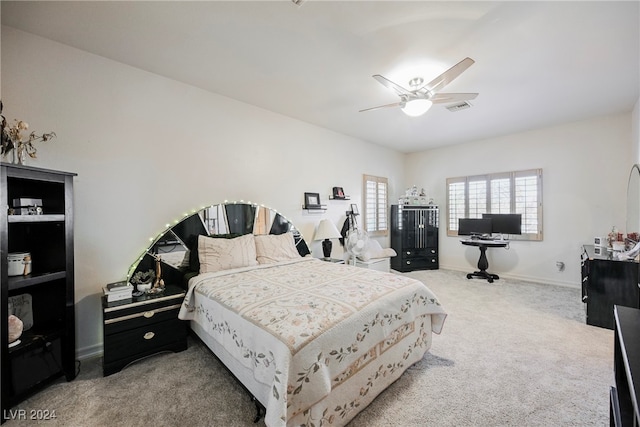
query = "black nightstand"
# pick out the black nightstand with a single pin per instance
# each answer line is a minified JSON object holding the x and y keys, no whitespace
{"x":141,"y":326}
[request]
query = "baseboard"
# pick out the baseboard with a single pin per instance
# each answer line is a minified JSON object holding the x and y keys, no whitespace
{"x":522,"y":277}
{"x":89,"y":352}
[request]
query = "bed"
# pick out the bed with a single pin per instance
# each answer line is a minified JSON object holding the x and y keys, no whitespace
{"x":314,"y":342}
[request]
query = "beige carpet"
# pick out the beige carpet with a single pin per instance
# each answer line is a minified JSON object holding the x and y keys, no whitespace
{"x":510,"y":354}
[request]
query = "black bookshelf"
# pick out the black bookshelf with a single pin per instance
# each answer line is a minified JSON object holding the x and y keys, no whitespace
{"x":46,"y":351}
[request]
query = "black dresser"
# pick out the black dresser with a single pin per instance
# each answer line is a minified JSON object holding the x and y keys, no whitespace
{"x":414,"y":236}
{"x":623,"y":396}
{"x":607,"y":282}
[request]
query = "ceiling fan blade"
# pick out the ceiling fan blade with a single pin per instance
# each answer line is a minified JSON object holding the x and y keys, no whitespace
{"x":448,"y":76}
{"x":443,"y":98}
{"x":391,"y":85}
{"x":395,"y":104}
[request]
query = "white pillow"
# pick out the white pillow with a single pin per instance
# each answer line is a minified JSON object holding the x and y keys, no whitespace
{"x":217,"y":254}
{"x":271,"y":248}
{"x":374,"y":250}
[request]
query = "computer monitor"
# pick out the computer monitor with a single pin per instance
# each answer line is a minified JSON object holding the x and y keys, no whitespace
{"x":471,"y":226}
{"x":505,"y":223}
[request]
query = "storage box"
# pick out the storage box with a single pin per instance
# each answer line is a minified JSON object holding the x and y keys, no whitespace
{"x":19,"y":263}
{"x":34,"y":366}
{"x":32,"y":210}
{"x":26,"y":202}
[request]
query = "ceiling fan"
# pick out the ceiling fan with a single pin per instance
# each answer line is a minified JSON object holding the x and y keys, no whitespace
{"x":419,"y":99}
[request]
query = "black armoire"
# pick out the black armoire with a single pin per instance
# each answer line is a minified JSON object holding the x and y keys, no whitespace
{"x":42,"y":295}
{"x":414,"y":236}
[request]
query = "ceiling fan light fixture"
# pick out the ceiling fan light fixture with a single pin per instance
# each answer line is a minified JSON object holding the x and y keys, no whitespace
{"x":416,"y":107}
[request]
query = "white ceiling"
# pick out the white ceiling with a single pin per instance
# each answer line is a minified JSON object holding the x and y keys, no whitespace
{"x":537,"y":63}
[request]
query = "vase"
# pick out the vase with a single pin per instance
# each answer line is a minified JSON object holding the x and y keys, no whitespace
{"x":20,"y":155}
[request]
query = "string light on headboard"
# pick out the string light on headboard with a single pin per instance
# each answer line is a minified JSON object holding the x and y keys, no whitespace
{"x":168,"y":226}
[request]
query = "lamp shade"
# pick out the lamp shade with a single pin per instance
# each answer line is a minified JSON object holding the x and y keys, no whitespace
{"x":416,"y":107}
{"x":326,"y":230}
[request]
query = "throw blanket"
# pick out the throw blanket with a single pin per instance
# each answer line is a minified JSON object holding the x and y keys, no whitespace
{"x":305,"y":327}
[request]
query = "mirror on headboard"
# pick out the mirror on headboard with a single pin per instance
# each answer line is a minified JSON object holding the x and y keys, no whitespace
{"x":228,"y":219}
{"x":633,"y":202}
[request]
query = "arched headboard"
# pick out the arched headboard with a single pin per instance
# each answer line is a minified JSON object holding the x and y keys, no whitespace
{"x":175,"y":245}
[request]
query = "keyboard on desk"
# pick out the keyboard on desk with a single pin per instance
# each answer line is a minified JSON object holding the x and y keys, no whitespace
{"x":477,"y":237}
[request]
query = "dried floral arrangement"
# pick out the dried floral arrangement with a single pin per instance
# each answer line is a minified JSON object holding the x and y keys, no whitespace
{"x":142,"y":277}
{"x":12,"y":139}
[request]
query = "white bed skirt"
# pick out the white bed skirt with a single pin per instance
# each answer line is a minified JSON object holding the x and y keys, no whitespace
{"x":367,"y":380}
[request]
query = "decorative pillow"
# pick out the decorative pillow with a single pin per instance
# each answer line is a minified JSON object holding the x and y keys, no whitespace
{"x":224,"y":254}
{"x":271,"y":248}
{"x":192,"y":246}
{"x":374,"y":250}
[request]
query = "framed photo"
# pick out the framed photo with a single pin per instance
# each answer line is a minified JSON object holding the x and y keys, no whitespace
{"x":312,"y":200}
{"x":338,"y":193}
{"x":354,"y":209}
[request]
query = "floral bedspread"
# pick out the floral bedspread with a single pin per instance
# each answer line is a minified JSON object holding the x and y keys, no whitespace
{"x":316,"y":324}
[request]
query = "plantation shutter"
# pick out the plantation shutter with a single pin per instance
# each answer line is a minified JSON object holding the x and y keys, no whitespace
{"x":375,"y":205}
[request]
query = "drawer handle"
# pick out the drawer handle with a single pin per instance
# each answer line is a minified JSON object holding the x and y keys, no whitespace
{"x":149,"y":314}
{"x":149,"y":335}
{"x":433,"y":260}
{"x":408,"y":252}
{"x":408,"y":262}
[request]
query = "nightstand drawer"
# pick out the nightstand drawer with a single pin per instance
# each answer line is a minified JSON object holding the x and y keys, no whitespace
{"x":140,"y":318}
{"x":141,"y":305}
{"x":143,"y":341}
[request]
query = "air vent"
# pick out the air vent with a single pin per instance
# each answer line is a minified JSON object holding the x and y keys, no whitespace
{"x":457,"y":107}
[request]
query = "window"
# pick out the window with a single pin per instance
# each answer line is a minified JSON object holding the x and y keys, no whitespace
{"x":375,"y":190}
{"x":508,"y":192}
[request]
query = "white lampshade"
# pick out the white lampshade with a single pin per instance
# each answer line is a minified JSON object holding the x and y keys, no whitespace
{"x":326,"y":230}
{"x":416,"y":107}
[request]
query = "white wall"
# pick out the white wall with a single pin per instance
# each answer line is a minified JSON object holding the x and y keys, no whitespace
{"x":635,"y":126}
{"x":585,"y":171}
{"x":146,"y":149}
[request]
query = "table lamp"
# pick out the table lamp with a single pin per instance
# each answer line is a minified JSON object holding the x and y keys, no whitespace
{"x":326,"y":231}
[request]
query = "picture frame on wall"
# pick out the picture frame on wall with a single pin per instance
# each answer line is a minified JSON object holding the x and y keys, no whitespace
{"x":338,"y":193}
{"x":312,"y":200}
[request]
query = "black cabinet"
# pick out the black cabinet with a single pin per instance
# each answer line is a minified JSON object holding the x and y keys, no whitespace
{"x":607,"y":282}
{"x":623,"y":396}
{"x":414,"y":236}
{"x":44,"y":297}
{"x":141,"y":326}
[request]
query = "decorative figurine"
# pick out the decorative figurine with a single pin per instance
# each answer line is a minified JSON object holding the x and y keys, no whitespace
{"x":15,"y":328}
{"x":158,"y":285}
